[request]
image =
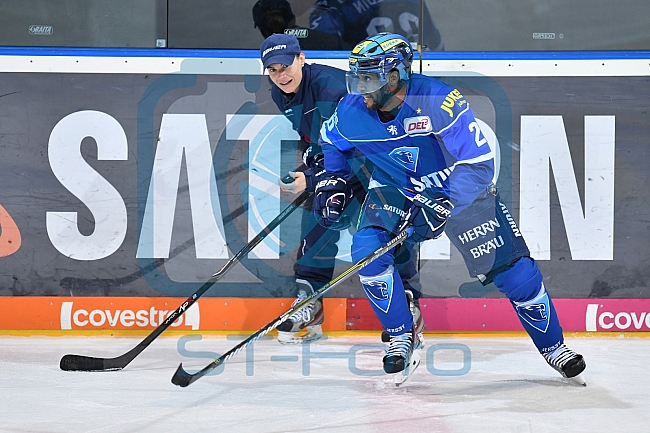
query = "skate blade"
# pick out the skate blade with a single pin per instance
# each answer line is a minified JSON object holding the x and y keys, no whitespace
{"x":402,"y":376}
{"x":421,"y":341}
{"x":311,"y":333}
{"x":577,"y":380}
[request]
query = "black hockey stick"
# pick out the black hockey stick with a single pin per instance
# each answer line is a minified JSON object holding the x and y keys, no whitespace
{"x":183,"y":378}
{"x":89,"y":363}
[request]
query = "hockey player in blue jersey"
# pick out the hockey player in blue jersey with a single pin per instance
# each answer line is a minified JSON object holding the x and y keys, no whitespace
{"x":307,"y":95}
{"x":433,"y":170}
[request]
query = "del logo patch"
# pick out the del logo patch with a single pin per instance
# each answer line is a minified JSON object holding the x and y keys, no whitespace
{"x":417,"y":125}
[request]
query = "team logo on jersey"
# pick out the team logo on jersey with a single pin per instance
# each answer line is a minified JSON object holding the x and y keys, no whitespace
{"x":417,"y":125}
{"x":392,"y":129}
{"x":407,"y":156}
{"x":536,"y":315}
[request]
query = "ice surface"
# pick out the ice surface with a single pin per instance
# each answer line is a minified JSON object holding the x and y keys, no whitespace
{"x":464,"y":384}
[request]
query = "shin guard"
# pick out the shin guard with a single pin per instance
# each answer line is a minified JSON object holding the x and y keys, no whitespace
{"x":387,"y":298}
{"x":522,"y":284}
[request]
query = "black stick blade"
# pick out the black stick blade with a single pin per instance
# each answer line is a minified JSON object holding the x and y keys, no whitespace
{"x":85,"y":363}
{"x":182,"y":378}
{"x":90,"y":363}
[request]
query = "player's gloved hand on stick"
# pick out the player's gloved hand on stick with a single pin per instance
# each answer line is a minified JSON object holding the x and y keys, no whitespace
{"x":428,"y":215}
{"x":331,"y":197}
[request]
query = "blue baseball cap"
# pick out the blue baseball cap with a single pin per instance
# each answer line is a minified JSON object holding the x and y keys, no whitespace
{"x":279,"y":48}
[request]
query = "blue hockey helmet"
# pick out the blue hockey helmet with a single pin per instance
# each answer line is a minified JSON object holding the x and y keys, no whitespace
{"x":373,"y":58}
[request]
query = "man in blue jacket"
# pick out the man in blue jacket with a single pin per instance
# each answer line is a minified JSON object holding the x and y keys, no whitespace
{"x":307,"y":94}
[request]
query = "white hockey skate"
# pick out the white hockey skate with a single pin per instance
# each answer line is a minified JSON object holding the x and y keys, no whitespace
{"x":401,"y":358}
{"x":418,"y":322}
{"x":304,"y":325}
{"x":568,"y":363}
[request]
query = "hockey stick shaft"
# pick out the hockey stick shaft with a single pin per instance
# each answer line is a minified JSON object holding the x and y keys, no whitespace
{"x":421,"y":32}
{"x":183,"y":378}
{"x":88,"y":363}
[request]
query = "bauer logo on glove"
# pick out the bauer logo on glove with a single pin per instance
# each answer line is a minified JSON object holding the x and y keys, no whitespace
{"x":429,"y":224}
{"x":332,"y":195}
{"x":434,"y":205}
{"x":328,"y":182}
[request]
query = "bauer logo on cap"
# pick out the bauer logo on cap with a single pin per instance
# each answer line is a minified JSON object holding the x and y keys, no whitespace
{"x":279,"y":48}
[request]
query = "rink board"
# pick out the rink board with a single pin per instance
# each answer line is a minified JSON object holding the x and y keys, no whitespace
{"x":90,"y":315}
{"x":87,"y":134}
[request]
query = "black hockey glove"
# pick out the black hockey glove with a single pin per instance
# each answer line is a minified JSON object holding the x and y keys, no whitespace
{"x":331,"y":197}
{"x":315,"y":171}
{"x":434,"y":208}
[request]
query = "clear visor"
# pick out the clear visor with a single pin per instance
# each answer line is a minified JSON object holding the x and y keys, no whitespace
{"x":364,"y":82}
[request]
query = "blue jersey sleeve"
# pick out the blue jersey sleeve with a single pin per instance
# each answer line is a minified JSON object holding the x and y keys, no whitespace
{"x":461,"y":136}
{"x":336,"y":148}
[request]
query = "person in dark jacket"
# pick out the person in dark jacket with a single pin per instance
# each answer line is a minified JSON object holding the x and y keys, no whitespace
{"x":354,"y":20}
{"x":276,"y":16}
{"x":307,"y":94}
